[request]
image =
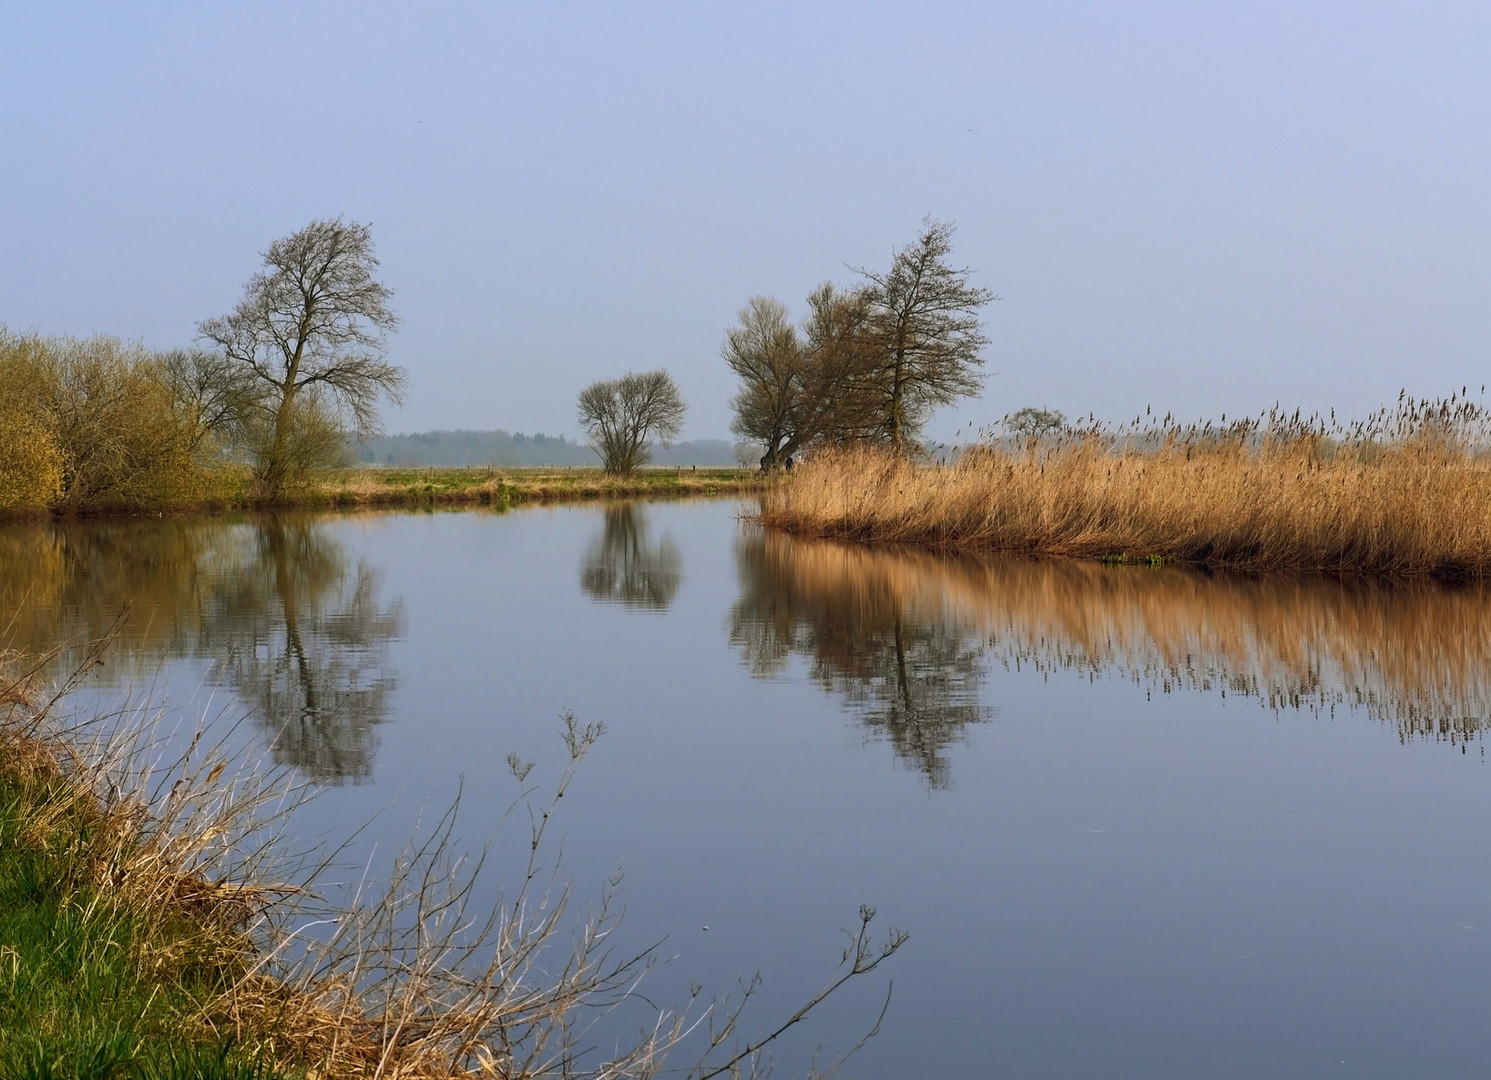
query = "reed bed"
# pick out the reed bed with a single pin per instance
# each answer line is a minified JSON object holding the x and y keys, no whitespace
{"x":1405,"y":492}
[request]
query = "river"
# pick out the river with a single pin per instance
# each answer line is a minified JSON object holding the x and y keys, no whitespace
{"x":1138,"y":822}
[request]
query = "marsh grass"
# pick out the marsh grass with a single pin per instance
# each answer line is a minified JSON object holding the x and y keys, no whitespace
{"x":1405,"y":492}
{"x":157,"y":920}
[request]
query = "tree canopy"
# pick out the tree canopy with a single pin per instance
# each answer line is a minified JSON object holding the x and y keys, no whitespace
{"x":621,"y":416}
{"x":305,"y":350}
{"x":870,"y":363}
{"x":925,"y":330}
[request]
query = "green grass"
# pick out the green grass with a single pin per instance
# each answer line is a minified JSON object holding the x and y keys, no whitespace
{"x":91,"y":987}
{"x":497,"y":486}
{"x":231,"y":488}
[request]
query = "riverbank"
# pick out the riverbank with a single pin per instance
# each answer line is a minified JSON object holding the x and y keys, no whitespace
{"x":1414,"y":507}
{"x":414,"y":487}
{"x":113,"y":962}
{"x":227,"y":490}
{"x":161,"y":918}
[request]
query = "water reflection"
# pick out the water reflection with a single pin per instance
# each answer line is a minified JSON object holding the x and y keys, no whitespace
{"x":1412,"y":654}
{"x":622,"y":567}
{"x":906,"y":667}
{"x":284,"y":617}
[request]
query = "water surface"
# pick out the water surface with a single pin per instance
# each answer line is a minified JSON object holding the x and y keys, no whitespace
{"x":1140,"y":823}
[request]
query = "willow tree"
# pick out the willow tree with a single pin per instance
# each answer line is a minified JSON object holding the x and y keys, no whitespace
{"x":622,"y":416}
{"x":925,"y":327}
{"x":764,"y":350}
{"x":800,"y":389}
{"x":308,"y":342}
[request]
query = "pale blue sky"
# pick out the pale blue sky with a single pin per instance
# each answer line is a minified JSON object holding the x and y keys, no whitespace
{"x":1200,"y":207}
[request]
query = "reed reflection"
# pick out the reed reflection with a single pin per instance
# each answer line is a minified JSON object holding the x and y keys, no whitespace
{"x":906,"y":669}
{"x":1412,"y":654}
{"x":283,"y":616}
{"x":622,"y":566}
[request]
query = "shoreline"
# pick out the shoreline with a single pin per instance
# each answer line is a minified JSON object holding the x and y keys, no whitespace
{"x":425,"y":486}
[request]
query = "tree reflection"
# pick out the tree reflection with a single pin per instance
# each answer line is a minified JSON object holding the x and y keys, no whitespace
{"x":307,"y":647}
{"x":905,"y":670}
{"x":277,"y":608}
{"x":1410,"y":653}
{"x":622,"y":567}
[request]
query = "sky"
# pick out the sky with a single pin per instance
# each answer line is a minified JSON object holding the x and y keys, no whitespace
{"x":1202,"y":208}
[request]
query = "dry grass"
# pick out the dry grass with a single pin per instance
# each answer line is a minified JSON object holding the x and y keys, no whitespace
{"x":1407,"y":492}
{"x":405,"y":979}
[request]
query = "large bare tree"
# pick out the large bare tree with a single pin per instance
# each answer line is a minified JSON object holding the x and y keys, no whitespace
{"x":621,"y":416}
{"x":800,"y":389}
{"x":764,"y":350}
{"x":309,"y":339}
{"x":926,"y":330}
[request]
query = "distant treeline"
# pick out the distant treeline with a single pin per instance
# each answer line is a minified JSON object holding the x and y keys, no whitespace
{"x":517,"y":449}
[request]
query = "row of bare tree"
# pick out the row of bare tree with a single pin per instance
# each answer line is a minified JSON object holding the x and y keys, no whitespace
{"x":869,"y":362}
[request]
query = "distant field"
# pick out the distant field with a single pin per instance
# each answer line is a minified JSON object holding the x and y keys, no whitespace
{"x":413,"y":486}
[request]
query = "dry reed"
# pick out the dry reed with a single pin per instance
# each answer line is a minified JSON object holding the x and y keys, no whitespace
{"x":1406,"y":492}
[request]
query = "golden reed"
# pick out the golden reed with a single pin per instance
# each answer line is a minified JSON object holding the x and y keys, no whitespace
{"x":1405,"y":493}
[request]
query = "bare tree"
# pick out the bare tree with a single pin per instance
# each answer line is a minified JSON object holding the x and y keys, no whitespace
{"x":1032,"y":423}
{"x":926,"y":329}
{"x":800,"y":389}
{"x":621,"y":416}
{"x":311,"y":333}
{"x":763,"y":348}
{"x":210,"y":395}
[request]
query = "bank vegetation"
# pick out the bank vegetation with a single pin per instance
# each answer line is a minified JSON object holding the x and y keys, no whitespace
{"x":158,"y":919}
{"x":100,"y":426}
{"x":1405,"y":492}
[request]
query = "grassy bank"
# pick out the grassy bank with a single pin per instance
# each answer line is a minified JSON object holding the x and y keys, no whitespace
{"x":156,"y":922}
{"x":413,"y":487}
{"x":112,"y":961}
{"x":1407,"y":494}
{"x":227,"y":489}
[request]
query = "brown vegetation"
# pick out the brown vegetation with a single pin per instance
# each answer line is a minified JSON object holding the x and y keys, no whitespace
{"x":91,"y":425}
{"x":1406,"y":492}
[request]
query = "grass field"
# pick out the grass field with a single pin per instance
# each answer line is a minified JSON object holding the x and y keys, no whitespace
{"x":396,"y":486}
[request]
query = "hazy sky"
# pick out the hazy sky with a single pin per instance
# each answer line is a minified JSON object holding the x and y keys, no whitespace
{"x":1202,"y":207}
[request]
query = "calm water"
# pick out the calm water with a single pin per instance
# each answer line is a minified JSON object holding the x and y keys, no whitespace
{"x":1139,"y":823}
